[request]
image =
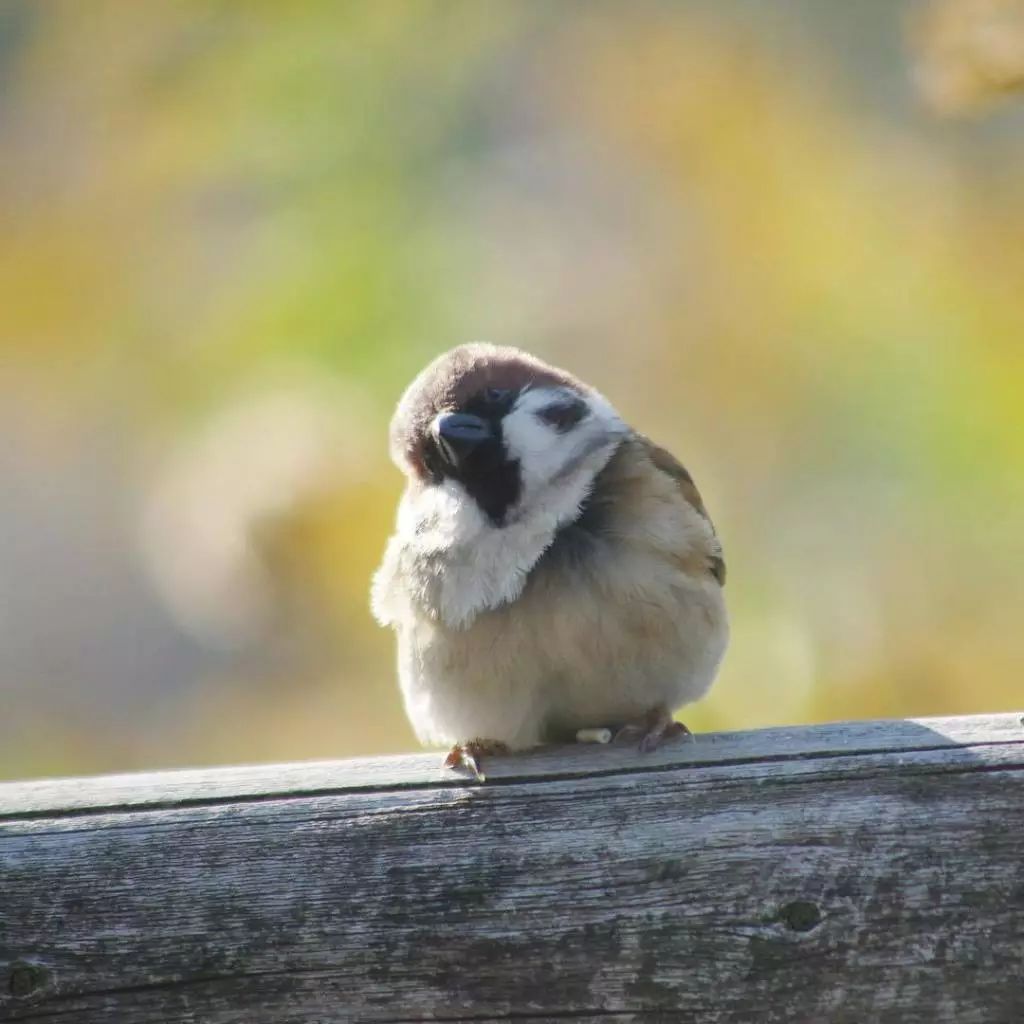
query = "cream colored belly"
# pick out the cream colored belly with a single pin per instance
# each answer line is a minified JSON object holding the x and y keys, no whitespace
{"x":518,"y":673}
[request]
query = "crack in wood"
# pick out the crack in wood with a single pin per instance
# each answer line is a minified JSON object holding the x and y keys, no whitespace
{"x":502,"y":782}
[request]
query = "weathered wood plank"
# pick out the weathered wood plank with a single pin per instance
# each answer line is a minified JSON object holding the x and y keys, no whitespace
{"x":269,"y":780}
{"x":865,"y":873}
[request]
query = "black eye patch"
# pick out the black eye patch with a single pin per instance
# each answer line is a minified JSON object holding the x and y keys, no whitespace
{"x":564,"y":413}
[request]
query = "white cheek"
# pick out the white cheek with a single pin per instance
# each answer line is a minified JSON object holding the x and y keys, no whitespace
{"x":534,"y":444}
{"x":543,"y":452}
{"x":604,"y":415}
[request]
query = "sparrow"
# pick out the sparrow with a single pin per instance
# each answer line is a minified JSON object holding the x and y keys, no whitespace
{"x":551,"y":571}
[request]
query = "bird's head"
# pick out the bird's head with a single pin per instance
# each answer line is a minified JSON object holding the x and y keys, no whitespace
{"x":516,"y":436}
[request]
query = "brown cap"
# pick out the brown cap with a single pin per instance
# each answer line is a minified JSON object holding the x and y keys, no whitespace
{"x":453,"y":379}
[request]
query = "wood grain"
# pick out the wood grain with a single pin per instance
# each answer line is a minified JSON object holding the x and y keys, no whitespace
{"x":856,"y":872}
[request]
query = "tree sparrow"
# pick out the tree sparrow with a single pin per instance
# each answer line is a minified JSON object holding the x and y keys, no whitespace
{"x":551,"y":570}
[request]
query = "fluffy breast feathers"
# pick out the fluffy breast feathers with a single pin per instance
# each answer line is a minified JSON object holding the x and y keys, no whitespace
{"x":617,"y":509}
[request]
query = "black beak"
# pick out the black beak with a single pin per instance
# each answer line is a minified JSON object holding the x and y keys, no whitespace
{"x":459,"y":434}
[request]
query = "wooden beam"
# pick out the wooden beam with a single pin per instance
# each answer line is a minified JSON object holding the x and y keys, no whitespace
{"x":854,"y":872}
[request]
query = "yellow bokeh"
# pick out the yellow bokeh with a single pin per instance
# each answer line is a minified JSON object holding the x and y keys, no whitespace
{"x":232,"y":233}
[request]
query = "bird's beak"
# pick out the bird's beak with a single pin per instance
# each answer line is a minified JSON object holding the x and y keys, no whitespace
{"x":459,"y":434}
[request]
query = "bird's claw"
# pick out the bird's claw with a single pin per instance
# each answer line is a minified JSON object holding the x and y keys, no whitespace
{"x":470,"y":755}
{"x":656,"y":727}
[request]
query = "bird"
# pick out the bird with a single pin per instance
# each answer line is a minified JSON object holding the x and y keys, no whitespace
{"x":551,"y":569}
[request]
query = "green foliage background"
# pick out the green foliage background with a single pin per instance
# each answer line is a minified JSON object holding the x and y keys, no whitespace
{"x":231,"y":233}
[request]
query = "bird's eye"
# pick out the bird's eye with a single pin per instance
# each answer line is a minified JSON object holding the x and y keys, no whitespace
{"x":563,"y":414}
{"x":495,"y":396}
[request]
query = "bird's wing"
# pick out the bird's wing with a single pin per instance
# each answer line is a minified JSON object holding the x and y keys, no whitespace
{"x":671,"y":466}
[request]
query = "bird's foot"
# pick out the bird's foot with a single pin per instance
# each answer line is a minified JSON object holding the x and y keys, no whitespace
{"x":654,"y":728}
{"x":471,"y":755}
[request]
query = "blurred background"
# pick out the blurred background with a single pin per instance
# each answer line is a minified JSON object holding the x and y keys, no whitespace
{"x":787,"y":240}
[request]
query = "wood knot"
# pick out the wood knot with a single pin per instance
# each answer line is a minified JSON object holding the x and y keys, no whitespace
{"x":25,"y":978}
{"x":800,"y":915}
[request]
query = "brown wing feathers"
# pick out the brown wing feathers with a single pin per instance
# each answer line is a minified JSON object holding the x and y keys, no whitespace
{"x":671,"y":466}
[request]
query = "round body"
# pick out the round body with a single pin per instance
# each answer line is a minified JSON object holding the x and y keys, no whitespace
{"x":628,"y":635}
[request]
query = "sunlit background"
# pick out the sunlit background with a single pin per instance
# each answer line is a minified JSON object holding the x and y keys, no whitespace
{"x":787,"y":240}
